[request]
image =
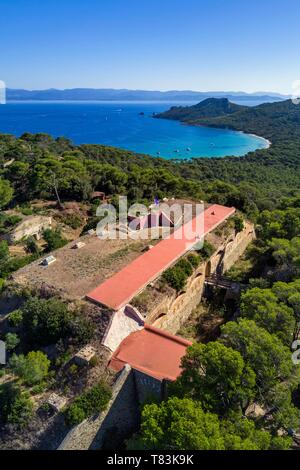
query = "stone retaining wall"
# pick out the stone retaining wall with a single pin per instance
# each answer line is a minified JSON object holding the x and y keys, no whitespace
{"x":174,"y":311}
{"x":109,"y":429}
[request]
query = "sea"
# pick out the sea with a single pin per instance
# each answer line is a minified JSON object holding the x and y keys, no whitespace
{"x":126,"y":125}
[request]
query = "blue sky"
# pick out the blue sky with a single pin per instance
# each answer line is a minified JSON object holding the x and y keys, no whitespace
{"x":248,"y":45}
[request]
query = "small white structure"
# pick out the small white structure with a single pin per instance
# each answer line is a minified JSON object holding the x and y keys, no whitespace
{"x":123,"y":322}
{"x":84,"y":356}
{"x":91,"y":232}
{"x":56,"y":402}
{"x":78,"y":245}
{"x":49,"y":260}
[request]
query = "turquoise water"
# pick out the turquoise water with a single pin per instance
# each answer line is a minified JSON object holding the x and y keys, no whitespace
{"x":121,"y":125}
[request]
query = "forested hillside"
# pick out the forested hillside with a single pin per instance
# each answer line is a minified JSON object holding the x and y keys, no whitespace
{"x":211,"y":107}
{"x":275,"y":121}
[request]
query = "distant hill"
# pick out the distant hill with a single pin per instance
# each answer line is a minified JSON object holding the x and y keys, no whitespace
{"x":209,"y":108}
{"x":89,"y":94}
{"x":274,"y":121}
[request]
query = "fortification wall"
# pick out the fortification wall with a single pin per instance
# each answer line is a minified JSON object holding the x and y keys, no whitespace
{"x":109,"y":429}
{"x":173,"y":312}
{"x":148,"y":387}
{"x":236,"y":249}
{"x":180,"y":308}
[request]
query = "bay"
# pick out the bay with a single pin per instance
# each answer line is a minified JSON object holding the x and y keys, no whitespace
{"x":127,"y":125}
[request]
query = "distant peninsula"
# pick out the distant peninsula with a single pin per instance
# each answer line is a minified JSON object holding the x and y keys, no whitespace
{"x":209,"y":108}
{"x":272,"y":121}
{"x":107,"y":94}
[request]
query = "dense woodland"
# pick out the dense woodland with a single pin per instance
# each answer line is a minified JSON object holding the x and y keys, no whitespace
{"x":251,"y":361}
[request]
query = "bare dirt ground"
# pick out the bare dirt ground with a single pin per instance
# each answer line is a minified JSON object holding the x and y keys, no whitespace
{"x":77,"y":272}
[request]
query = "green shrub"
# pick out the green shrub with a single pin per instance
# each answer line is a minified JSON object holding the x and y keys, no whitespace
{"x":32,"y":246}
{"x":14,"y":264}
{"x":63,"y":359}
{"x":194,"y":260}
{"x":259,"y":282}
{"x":81,"y":329}
{"x":207,"y":250}
{"x":54,"y":239}
{"x":185,"y":266}
{"x":176,"y":278}
{"x":16,"y":406}
{"x":73,"y":369}
{"x":238,"y":223}
{"x":11,"y":341}
{"x":93,"y":361}
{"x":12,"y":220}
{"x":2,"y":284}
{"x":4,"y":251}
{"x":26,"y":210}
{"x":15,"y":318}
{"x":45,"y":321}
{"x":91,"y":402}
{"x":46,"y":407}
{"x":72,"y":220}
{"x":38,"y":389}
{"x":74,"y":415}
{"x":32,"y":369}
{"x":281,"y":443}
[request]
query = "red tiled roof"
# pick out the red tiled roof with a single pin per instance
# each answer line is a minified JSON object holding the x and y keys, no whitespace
{"x":152,"y":351}
{"x":118,"y":290}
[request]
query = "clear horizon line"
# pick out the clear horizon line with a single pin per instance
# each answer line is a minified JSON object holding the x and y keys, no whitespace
{"x":154,"y":90}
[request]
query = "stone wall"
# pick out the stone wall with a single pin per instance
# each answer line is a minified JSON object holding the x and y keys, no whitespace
{"x":121,"y":419}
{"x":148,"y":387}
{"x":170,"y":316}
{"x":109,"y":429}
{"x":174,"y":311}
{"x":237,"y":248}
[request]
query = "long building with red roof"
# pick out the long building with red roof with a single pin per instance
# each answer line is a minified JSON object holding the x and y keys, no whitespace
{"x":121,"y":288}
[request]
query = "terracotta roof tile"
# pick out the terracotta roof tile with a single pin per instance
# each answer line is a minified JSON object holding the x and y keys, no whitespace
{"x":118,"y":290}
{"x":152,"y":351}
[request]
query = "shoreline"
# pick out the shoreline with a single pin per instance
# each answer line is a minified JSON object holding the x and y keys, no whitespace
{"x":268,"y":142}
